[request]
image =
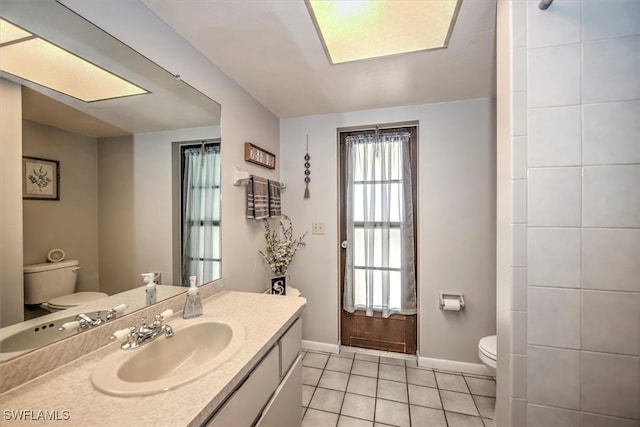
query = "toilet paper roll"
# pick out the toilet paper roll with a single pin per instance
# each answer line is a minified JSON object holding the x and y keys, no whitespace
{"x":451,"y":304}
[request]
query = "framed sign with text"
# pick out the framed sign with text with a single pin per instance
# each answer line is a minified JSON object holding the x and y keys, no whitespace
{"x":259,"y":156}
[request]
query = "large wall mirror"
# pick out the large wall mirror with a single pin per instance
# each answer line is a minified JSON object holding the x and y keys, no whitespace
{"x":120,"y":207}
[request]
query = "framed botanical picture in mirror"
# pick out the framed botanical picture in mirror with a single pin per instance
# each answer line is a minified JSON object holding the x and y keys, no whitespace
{"x":40,"y":179}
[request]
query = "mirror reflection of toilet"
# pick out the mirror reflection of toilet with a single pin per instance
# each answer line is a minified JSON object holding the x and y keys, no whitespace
{"x":487,"y":351}
{"x":53,"y":285}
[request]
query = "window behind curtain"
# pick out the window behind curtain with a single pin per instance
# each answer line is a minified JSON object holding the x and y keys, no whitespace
{"x":200,"y":167}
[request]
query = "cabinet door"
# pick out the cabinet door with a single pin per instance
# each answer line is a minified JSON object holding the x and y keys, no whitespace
{"x":285,"y":408}
{"x":290,"y":347}
{"x":244,"y":406}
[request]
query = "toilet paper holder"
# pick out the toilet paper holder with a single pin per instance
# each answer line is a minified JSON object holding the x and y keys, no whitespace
{"x":442,"y":295}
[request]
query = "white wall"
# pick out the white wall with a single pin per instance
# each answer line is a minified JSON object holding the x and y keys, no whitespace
{"x":11,"y":288}
{"x":136,"y":206}
{"x":71,"y":223}
{"x":456,"y":219}
{"x":576,"y":206}
{"x":243,"y":119}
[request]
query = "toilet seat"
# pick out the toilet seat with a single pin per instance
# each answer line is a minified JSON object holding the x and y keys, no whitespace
{"x":487,"y":353}
{"x":72,"y":300}
{"x":488,"y":347}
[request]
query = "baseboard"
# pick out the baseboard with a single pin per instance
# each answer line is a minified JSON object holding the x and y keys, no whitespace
{"x":320,"y":346}
{"x":452,"y":365}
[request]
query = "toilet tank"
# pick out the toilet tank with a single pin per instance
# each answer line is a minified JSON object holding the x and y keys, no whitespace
{"x":43,"y":282}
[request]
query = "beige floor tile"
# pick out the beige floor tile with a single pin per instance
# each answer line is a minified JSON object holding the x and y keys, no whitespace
{"x":334,"y":380}
{"x":424,"y":396}
{"x":486,"y":406}
{"x":315,"y":360}
{"x":327,"y":400}
{"x":311,"y":376}
{"x":362,"y":385}
{"x":340,"y":364}
{"x":314,"y":418}
{"x":458,"y":402}
{"x":307,"y":393}
{"x":451,"y":382}
{"x":392,"y":361}
{"x":427,"y":417}
{"x":481,"y":387}
{"x":367,"y":357}
{"x":393,"y":413}
{"x":461,"y":420}
{"x":362,"y":367}
{"x":392,"y":390}
{"x":421,"y":377}
{"x":393,"y":373}
{"x":357,"y":406}
{"x":344,"y":421}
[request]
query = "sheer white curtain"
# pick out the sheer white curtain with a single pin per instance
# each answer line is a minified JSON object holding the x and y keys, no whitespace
{"x":380,"y":264}
{"x":201,"y":213}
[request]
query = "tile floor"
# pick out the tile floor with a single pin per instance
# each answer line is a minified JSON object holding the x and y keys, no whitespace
{"x":359,"y":389}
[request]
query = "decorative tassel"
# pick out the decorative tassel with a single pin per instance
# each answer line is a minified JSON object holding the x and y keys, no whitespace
{"x":307,"y":172}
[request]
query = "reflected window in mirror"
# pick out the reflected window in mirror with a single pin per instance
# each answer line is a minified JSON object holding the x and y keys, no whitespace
{"x":200,"y":200}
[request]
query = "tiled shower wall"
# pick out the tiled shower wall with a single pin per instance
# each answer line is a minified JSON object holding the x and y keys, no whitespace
{"x":575,"y":309}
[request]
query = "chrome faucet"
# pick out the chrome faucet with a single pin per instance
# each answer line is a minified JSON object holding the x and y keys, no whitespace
{"x":145,"y":333}
{"x":83,"y":321}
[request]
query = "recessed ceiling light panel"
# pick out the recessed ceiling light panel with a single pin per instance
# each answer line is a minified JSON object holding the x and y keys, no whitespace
{"x":352,"y":30}
{"x":36,"y":60}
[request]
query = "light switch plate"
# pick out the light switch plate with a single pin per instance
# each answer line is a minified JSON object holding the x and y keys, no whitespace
{"x":317,"y":228}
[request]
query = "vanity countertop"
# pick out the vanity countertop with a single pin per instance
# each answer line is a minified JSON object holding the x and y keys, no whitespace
{"x":66,"y":394}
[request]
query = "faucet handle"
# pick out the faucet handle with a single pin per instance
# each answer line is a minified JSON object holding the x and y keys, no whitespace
{"x":122,"y":333}
{"x":70,"y":326}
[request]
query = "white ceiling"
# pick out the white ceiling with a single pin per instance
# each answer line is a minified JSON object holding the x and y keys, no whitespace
{"x":271,"y":49}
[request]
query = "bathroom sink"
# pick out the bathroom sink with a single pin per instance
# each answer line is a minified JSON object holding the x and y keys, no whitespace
{"x":37,"y":335}
{"x":195,"y":349}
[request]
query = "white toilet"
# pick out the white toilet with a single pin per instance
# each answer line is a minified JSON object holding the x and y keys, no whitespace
{"x":53,"y":285}
{"x":487,"y":352}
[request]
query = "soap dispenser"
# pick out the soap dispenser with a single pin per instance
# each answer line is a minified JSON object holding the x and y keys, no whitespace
{"x":150,"y":290}
{"x":193,"y":305}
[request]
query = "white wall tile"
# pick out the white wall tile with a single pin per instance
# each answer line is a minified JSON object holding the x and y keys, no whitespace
{"x":554,"y":76}
{"x":518,"y":376}
{"x":554,"y":196}
{"x":554,"y":317}
{"x":611,"y":322}
{"x":519,"y":233}
{"x":519,"y":113}
{"x":611,"y":384}
{"x":519,"y":332}
{"x":519,"y":23}
{"x":611,"y":196}
{"x":554,"y":257}
{"x":611,"y":19}
{"x":519,"y":201}
{"x":553,"y":377}
{"x":610,"y":70}
{"x":519,"y":76}
{"x":610,"y":259}
{"x":555,"y":136}
{"x":518,"y":412}
{"x":545,"y":416}
{"x":519,"y":157}
{"x":519,"y":292}
{"x":611,"y":133}
{"x":594,"y":420}
{"x":558,"y":25}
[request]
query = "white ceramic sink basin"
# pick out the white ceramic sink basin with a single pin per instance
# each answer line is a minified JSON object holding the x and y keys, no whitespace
{"x":37,"y":335}
{"x":195,"y":349}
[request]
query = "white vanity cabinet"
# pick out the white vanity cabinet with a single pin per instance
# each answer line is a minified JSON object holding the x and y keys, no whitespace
{"x":271,"y":395}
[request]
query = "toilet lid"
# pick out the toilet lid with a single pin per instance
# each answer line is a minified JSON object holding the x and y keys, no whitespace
{"x":77,"y":298}
{"x":488,"y":346}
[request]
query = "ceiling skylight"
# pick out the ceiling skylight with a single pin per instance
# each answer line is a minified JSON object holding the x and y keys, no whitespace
{"x":361,"y":29}
{"x":34,"y":59}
